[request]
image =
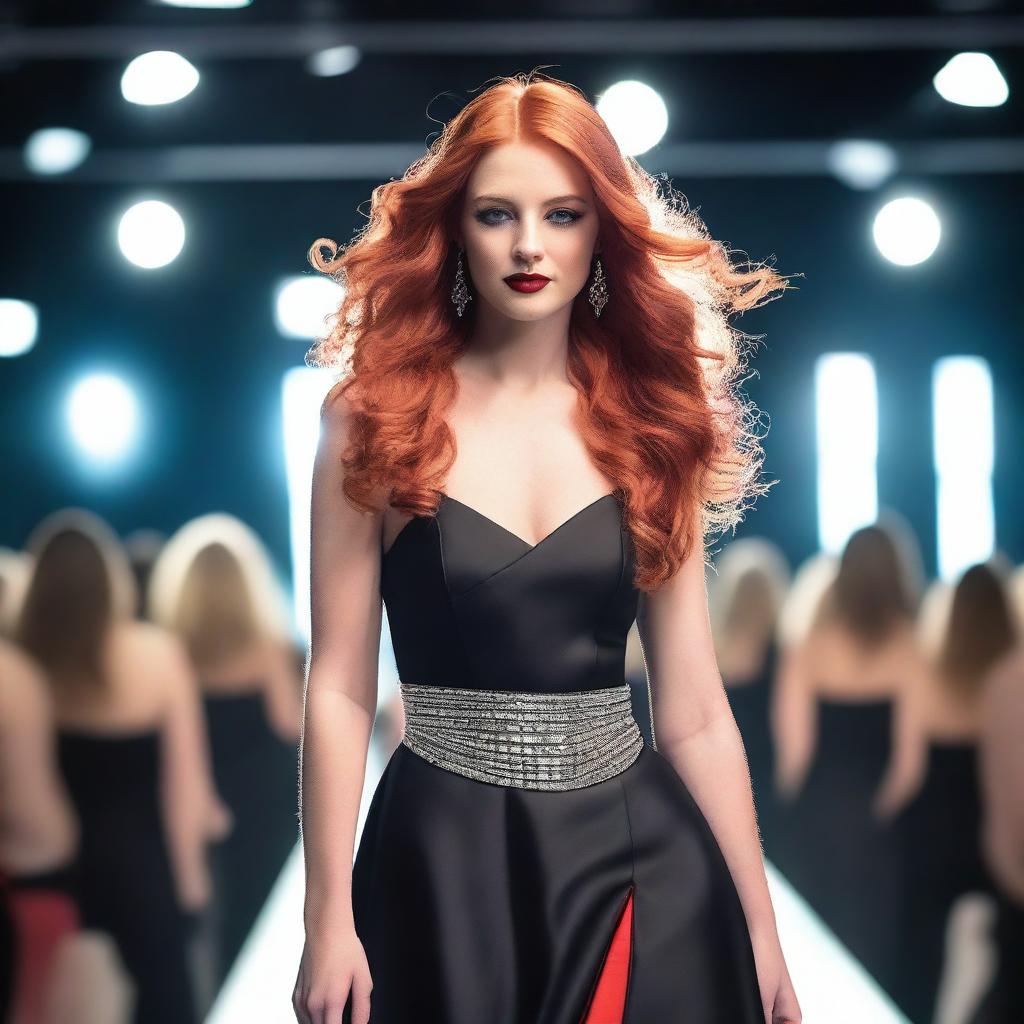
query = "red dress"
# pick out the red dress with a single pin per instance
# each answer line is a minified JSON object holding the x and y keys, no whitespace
{"x":43,"y":912}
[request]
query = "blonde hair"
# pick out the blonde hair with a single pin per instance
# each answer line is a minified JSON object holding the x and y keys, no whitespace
{"x":214,"y":585}
{"x":749,"y":589}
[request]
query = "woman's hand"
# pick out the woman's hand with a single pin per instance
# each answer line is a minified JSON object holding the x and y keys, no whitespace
{"x":885,"y":805}
{"x":196,"y":888}
{"x":778,"y":999}
{"x":889,"y":801}
{"x":219,"y":819}
{"x":332,"y":964}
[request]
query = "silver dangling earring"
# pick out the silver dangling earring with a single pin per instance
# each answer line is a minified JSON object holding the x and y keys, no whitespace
{"x":598,"y":290}
{"x":460,"y":293}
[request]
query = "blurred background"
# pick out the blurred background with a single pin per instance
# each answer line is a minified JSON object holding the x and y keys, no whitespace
{"x":164,"y":169}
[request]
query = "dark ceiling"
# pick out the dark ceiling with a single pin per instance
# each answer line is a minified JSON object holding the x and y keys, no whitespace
{"x":755,"y":92}
{"x":728,"y":70}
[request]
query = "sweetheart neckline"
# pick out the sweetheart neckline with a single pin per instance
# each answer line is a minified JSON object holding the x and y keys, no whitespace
{"x":544,"y":539}
{"x":504,"y":529}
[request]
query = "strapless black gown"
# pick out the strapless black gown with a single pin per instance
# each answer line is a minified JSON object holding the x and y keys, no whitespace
{"x":843,"y":861}
{"x":480,"y":902}
{"x":751,"y":703}
{"x":123,"y":869}
{"x":940,"y":837}
{"x":254,"y":771}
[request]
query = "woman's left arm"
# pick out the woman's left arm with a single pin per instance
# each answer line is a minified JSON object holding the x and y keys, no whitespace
{"x":696,"y":731}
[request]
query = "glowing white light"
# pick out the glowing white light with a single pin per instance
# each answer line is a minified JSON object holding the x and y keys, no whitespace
{"x":303,"y":305}
{"x":161,"y":76}
{"x":103,"y":416}
{"x":302,"y":394}
{"x":337,"y":60}
{"x":19,"y":325}
{"x":907,"y":231}
{"x":56,"y":150}
{"x":862,"y":163}
{"x":219,"y":4}
{"x":972,"y":80}
{"x":847,"y":439}
{"x":151,"y":234}
{"x":635,"y":114}
{"x":964,"y":456}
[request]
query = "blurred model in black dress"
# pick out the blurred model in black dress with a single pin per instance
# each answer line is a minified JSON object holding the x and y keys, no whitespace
{"x":132,"y":752}
{"x":1002,"y":776}
{"x":214,"y":586}
{"x":834,"y":723}
{"x":746,"y":598}
{"x":935,"y":800}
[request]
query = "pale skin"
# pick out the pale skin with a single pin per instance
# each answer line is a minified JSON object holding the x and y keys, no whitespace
{"x":833,"y":663}
{"x":521,"y":462}
{"x":38,"y":830}
{"x":1002,"y":774}
{"x":169,"y":701}
{"x":271,"y":664}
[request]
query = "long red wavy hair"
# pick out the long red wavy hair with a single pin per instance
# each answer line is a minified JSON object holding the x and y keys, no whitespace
{"x":661,"y":412}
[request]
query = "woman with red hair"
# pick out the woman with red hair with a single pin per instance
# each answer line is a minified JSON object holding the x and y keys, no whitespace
{"x":535,"y":428}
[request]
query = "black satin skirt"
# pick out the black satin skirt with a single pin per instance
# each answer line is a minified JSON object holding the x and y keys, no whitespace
{"x":484,"y":904}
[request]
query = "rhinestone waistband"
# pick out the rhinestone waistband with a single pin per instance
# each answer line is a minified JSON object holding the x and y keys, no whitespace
{"x":551,"y":741}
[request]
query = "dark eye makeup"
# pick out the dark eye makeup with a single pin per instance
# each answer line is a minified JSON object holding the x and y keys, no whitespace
{"x":483,"y":216}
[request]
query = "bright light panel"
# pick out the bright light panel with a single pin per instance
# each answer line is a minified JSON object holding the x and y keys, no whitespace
{"x":964,"y":455}
{"x":103,"y":417}
{"x":847,"y":440}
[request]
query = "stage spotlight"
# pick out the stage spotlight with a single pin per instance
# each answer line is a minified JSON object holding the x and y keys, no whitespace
{"x":846,"y":398}
{"x":963,"y":437}
{"x":151,"y":234}
{"x":19,"y":325}
{"x":906,"y":231}
{"x":303,"y":304}
{"x":56,"y":150}
{"x":210,"y":4}
{"x":103,"y":417}
{"x":161,"y":76}
{"x":972,"y":80}
{"x":337,"y":60}
{"x":635,"y":114}
{"x":862,"y":163}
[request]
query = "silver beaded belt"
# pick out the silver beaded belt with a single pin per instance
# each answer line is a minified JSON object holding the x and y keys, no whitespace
{"x":529,"y":740}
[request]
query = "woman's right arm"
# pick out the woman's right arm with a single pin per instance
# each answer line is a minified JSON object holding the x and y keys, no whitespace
{"x":793,"y":720}
{"x":38,"y":826}
{"x":1002,"y":774}
{"x":339,"y":706}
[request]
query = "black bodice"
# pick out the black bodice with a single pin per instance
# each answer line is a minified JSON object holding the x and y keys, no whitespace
{"x":472,"y":605}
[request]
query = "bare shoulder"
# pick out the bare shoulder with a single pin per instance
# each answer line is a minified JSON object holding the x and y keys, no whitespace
{"x":822,"y":642}
{"x":24,"y":696}
{"x":1003,"y":694}
{"x":337,"y":415}
{"x":141,"y":637}
{"x":336,"y":410}
{"x":163,"y":656}
{"x":276,"y":652}
{"x":906,"y":641}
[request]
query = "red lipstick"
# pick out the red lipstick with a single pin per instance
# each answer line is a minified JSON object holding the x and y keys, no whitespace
{"x":527,"y":282}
